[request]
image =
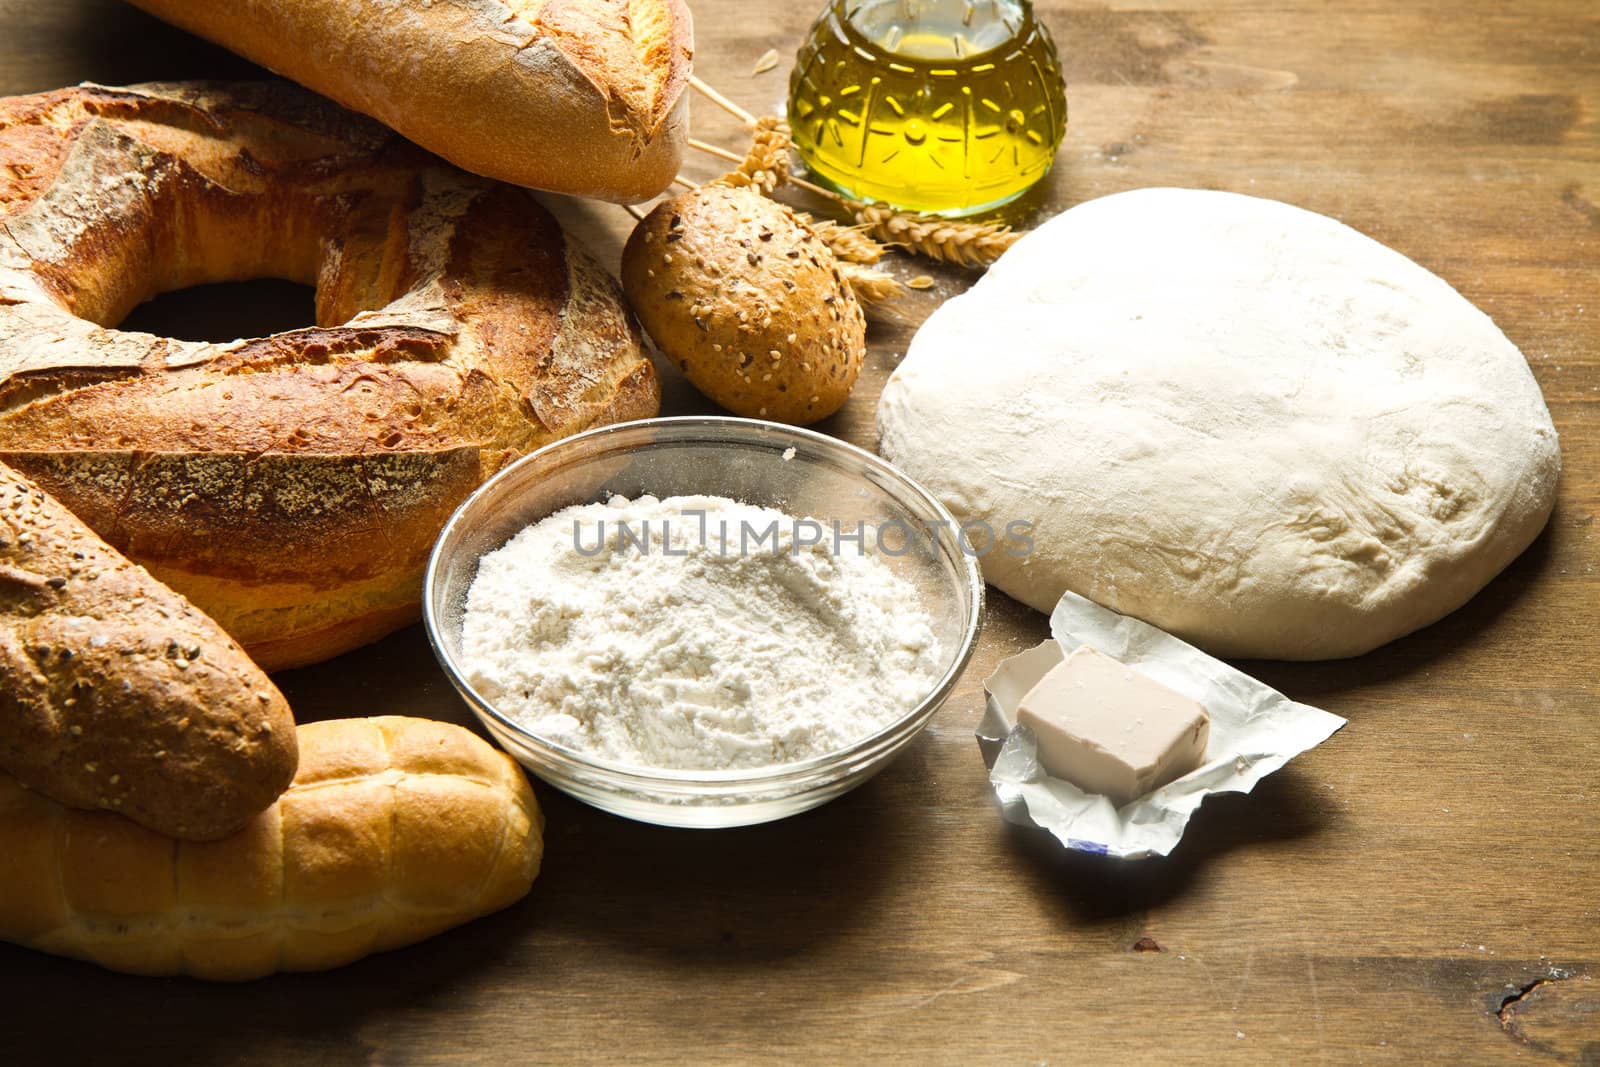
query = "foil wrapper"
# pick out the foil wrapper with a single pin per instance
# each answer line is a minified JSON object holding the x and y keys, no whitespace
{"x":1254,"y":730}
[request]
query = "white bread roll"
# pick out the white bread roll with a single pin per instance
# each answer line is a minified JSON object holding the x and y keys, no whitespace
{"x":577,"y":96}
{"x":394,"y":830}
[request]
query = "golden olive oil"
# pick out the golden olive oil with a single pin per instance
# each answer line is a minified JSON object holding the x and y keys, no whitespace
{"x":946,"y":106}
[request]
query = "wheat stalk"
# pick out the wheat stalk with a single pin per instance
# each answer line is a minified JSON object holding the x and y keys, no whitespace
{"x":715,"y":150}
{"x":721,"y":101}
{"x":870,"y":286}
{"x":766,"y":166}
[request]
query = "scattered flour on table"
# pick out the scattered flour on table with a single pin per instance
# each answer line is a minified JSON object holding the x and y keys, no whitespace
{"x":712,"y":649}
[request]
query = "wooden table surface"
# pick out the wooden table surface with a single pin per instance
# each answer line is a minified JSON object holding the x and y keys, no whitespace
{"x":1424,"y":887}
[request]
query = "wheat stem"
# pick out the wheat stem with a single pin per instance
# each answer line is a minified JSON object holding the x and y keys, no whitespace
{"x":734,"y":157}
{"x":812,"y":187}
{"x":721,"y":101}
{"x":716,"y":150}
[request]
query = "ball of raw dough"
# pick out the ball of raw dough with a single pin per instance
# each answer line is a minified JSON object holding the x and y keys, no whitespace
{"x":748,"y":302}
{"x":1237,"y":420}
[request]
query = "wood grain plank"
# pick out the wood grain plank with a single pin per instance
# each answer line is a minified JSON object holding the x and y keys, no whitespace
{"x":1394,"y":895}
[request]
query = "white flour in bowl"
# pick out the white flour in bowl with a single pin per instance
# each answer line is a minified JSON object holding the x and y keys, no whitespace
{"x":711,"y":646}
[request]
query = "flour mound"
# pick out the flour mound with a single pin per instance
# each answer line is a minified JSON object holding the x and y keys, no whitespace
{"x":1240,"y":421}
{"x":712,"y":646}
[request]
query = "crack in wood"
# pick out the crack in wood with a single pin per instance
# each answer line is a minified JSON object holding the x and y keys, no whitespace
{"x":1554,"y":1015}
{"x":1509,"y":1003}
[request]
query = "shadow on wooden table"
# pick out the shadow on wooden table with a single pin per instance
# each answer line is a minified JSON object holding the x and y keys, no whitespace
{"x":727,"y":899}
{"x":1095,"y":889}
{"x":621,"y":894}
{"x":93,"y":41}
{"x":83,"y":1014}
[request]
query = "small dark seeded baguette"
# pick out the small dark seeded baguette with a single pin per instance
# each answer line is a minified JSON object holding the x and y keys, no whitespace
{"x":117,"y":693}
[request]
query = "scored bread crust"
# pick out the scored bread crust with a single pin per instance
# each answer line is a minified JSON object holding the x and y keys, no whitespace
{"x":291,"y":486}
{"x":395,"y":829}
{"x":577,"y":96}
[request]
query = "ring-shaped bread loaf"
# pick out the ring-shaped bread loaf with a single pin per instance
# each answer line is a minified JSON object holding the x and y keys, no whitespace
{"x":289,"y":485}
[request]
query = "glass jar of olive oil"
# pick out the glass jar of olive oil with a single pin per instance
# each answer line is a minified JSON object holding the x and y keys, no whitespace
{"x":944,"y":106}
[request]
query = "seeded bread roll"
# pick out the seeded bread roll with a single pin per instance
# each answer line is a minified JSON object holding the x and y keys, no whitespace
{"x":116,"y":693}
{"x":579,"y":96}
{"x":748,"y":302}
{"x":394,"y":830}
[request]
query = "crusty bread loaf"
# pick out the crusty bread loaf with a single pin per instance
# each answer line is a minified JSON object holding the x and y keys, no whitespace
{"x":394,"y":830}
{"x":116,"y":693}
{"x":290,"y":486}
{"x":578,"y":96}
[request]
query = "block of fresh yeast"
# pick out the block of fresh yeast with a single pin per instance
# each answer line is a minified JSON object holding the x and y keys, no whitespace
{"x":1108,"y":729}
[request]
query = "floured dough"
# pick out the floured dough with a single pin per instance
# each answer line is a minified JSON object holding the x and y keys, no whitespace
{"x":1238,"y":420}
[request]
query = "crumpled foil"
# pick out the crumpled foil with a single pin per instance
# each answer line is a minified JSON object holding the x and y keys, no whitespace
{"x":1254,"y":730}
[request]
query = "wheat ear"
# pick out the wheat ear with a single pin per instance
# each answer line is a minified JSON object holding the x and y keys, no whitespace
{"x":848,"y":244}
{"x":766,"y":165}
{"x":870,"y":286}
{"x":966,"y":244}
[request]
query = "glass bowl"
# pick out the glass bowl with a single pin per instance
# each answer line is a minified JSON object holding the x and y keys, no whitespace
{"x":750,"y":461}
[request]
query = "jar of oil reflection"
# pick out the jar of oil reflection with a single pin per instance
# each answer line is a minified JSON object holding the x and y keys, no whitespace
{"x":942,"y":106}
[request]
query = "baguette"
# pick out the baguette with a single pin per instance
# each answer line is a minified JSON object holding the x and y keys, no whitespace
{"x":290,"y":486}
{"x":576,"y":96}
{"x":116,"y":693}
{"x":394,"y":830}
